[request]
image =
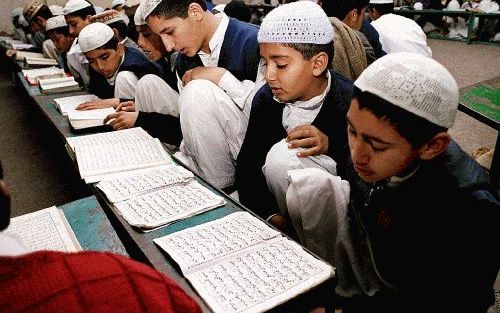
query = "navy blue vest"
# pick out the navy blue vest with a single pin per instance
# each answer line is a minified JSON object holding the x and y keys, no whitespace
{"x":239,"y":52}
{"x":135,"y":62}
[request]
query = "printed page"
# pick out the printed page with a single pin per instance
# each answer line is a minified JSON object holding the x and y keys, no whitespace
{"x":70,"y":103}
{"x":130,"y":135}
{"x":46,"y":229}
{"x":54,"y":83}
{"x":168,"y":205}
{"x":45,"y":71}
{"x":125,"y":188}
{"x":260,"y":278}
{"x":99,"y":159}
{"x":97,"y":114}
{"x":199,"y":246}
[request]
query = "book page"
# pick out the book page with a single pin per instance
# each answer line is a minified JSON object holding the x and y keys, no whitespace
{"x":125,"y":188}
{"x":260,"y":278}
{"x":44,"y":71}
{"x":46,"y":229}
{"x":130,"y":135}
{"x":39,"y":61}
{"x":54,"y":83}
{"x":197,"y":246}
{"x":102,"y":159}
{"x":168,"y":205}
{"x":70,"y":103}
{"x":21,"y":45}
{"x":97,"y":114}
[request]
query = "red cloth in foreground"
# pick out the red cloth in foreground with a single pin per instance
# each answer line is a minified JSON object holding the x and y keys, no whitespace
{"x":49,"y":281}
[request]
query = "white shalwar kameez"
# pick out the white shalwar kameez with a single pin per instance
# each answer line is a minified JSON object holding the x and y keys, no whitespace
{"x":77,"y":63}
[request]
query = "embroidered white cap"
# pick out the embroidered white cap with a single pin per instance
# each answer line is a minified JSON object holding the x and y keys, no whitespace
{"x":94,"y":36}
{"x":296,"y":22}
{"x":381,"y":1}
{"x":116,"y":3}
{"x":147,"y":6}
{"x":56,"y":10}
{"x":107,"y":17}
{"x":98,"y":9}
{"x":131,"y":3}
{"x":75,"y":5}
{"x":138,"y":19}
{"x":415,"y":83}
{"x":55,"y":22}
{"x":31,"y":9}
{"x":16,"y":12}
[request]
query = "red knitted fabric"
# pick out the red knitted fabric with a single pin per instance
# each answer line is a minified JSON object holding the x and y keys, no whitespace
{"x":86,"y":282}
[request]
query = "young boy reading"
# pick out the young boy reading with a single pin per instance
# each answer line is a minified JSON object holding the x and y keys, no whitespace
{"x":57,"y":30}
{"x":301,"y":97}
{"x":420,"y":229}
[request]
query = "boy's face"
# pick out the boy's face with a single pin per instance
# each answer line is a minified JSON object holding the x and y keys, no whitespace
{"x":62,"y":42}
{"x":76,"y":24}
{"x":378,"y":151}
{"x":178,"y":34}
{"x":150,"y":43}
{"x":288,"y":74}
{"x":105,"y":61}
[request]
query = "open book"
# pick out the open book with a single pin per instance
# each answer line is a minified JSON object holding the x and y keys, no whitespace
{"x":19,"y":45}
{"x":239,"y":264}
{"x":130,"y":135}
{"x":21,"y":55}
{"x":90,"y":118}
{"x":39,"y":62}
{"x":46,"y":229}
{"x":56,"y":85}
{"x":34,"y":75}
{"x":70,"y":103}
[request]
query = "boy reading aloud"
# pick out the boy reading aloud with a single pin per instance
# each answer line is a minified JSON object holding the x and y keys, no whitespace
{"x":302,"y":98}
{"x":424,"y":235}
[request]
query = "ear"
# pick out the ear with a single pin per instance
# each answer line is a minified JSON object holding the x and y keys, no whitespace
{"x":117,"y":34}
{"x":320,"y":63}
{"x":435,"y":146}
{"x":41,"y":21}
{"x":120,"y":49}
{"x":195,"y":11}
{"x":87,"y":18}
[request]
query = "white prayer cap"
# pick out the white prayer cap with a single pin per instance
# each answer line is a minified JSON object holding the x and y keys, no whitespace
{"x":419,"y":6}
{"x":138,"y":19}
{"x":98,"y":10}
{"x":107,"y":17}
{"x":31,"y":8}
{"x":116,"y":3}
{"x":55,"y":22}
{"x":296,"y":22}
{"x":75,"y":5}
{"x":381,"y":1}
{"x":415,"y":83}
{"x":94,"y":36}
{"x":16,"y":12}
{"x":148,"y":6}
{"x":56,"y":10}
{"x":131,"y":3}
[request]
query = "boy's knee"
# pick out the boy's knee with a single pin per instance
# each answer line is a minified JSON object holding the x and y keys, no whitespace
{"x":149,"y":81}
{"x":198,"y":98}
{"x":279,"y":161}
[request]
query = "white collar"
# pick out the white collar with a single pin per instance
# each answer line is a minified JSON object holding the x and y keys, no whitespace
{"x":217,"y":39}
{"x":314,"y":101}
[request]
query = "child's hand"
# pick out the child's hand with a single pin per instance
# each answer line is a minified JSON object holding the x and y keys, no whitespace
{"x":283,"y":224}
{"x":10,"y":53}
{"x":121,"y":120}
{"x":127,"y":106}
{"x":99,"y":104}
{"x":310,"y":138}
{"x":213,"y":74}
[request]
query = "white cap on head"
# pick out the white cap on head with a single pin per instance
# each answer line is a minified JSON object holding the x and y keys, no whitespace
{"x":116,"y":3}
{"x":98,"y":9}
{"x":55,"y":22}
{"x":138,"y":19}
{"x":296,"y":22}
{"x":381,"y":1}
{"x":94,"y":36}
{"x":75,"y":5}
{"x":16,"y":12}
{"x":415,"y":83}
{"x":31,"y":8}
{"x":147,"y":6}
{"x":131,"y":3}
{"x":56,"y":10}
{"x":107,"y":17}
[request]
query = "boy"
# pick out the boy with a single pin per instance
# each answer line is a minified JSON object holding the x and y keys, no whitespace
{"x":301,"y":97}
{"x":422,"y":236}
{"x":115,"y":69}
{"x":216,"y":67}
{"x":77,"y":14}
{"x":57,"y":30}
{"x":37,"y":13}
{"x":115,"y":20}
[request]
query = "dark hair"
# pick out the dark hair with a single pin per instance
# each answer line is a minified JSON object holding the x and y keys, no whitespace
{"x":121,"y":27}
{"x":239,"y":10}
{"x":111,"y":44}
{"x":340,"y":8}
{"x":382,"y":8}
{"x":83,"y":13}
{"x":175,"y":8}
{"x":415,"y":129}
{"x":63,"y":30}
{"x":308,"y":50}
{"x":43,"y":12}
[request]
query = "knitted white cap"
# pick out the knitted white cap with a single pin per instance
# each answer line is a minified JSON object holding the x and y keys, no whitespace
{"x":98,"y":9}
{"x":381,"y":1}
{"x":296,"y":22}
{"x":56,"y":10}
{"x":16,"y":12}
{"x":148,"y":6}
{"x":75,"y":5}
{"x":55,"y":22}
{"x":107,"y":17}
{"x":415,"y":83}
{"x":116,"y":3}
{"x":94,"y":36}
{"x":131,"y":3}
{"x":138,"y":19}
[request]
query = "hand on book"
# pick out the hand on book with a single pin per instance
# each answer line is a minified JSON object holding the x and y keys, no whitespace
{"x":10,"y":53}
{"x":122,"y":120}
{"x":283,"y":224}
{"x":99,"y":104}
{"x":127,"y":106}
{"x":309,"y":137}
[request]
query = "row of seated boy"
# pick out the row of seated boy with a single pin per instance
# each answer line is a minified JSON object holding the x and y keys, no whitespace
{"x":362,"y":173}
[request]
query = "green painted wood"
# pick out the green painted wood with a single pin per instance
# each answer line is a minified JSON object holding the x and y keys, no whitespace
{"x":484,"y":100}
